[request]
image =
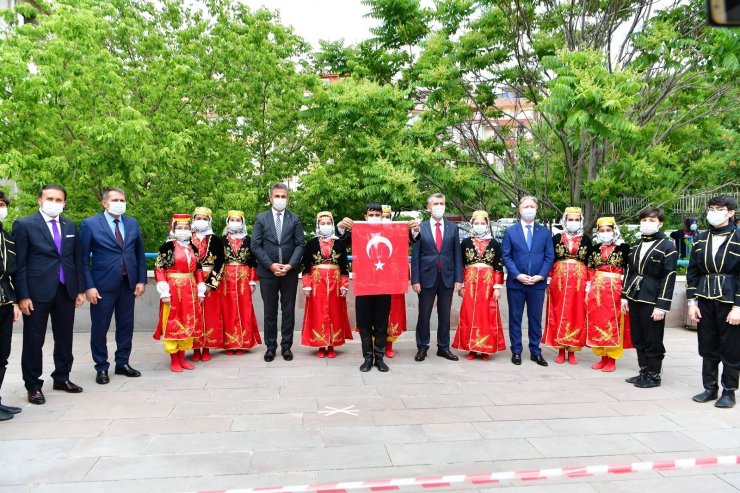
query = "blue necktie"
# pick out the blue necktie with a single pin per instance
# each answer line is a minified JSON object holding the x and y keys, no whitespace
{"x":529,"y":236}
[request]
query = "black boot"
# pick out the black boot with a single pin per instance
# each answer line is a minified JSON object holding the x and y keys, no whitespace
{"x":367,"y":353}
{"x":642,"y":362}
{"x":380,"y":364}
{"x":367,"y":364}
{"x":729,"y":386}
{"x":709,"y":379}
{"x":651,"y":378}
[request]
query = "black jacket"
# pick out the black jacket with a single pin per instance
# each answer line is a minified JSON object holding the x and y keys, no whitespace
{"x":7,"y":268}
{"x":715,"y":278}
{"x":651,"y":279}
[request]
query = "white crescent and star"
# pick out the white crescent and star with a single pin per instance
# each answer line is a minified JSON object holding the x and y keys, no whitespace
{"x":379,"y":239}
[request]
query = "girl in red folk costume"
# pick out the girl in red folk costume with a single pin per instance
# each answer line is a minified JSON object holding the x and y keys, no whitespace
{"x":208,"y":334}
{"x":238,"y":282}
{"x":607,"y":328}
{"x":181,"y":290}
{"x":325,"y":283}
{"x":397,"y":317}
{"x":566,"y":302}
{"x":480,"y":330}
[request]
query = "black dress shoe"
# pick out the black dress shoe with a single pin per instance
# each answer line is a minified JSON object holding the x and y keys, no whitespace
{"x":127,"y":371}
{"x":68,"y":387}
{"x":727,"y":400}
{"x":706,"y":396}
{"x":5,"y":415}
{"x":539,"y":360}
{"x":10,"y":409}
{"x":269,"y":355}
{"x":102,"y":377}
{"x":421,"y":355}
{"x":287,"y":355}
{"x":367,"y":364}
{"x":516,"y":359}
{"x":380,"y":364}
{"x":447,"y":354}
{"x":36,"y":397}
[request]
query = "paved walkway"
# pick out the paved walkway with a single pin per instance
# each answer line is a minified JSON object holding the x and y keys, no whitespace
{"x":240,"y":422}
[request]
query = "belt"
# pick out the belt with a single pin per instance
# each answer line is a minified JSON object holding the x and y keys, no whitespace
{"x":180,"y":275}
{"x":612,"y":275}
{"x":479,"y":264}
{"x":570,"y":261}
{"x":234,"y":262}
{"x":207,"y":269}
{"x":326,"y":266}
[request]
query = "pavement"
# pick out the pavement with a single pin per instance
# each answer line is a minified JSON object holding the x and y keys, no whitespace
{"x":238,"y":422}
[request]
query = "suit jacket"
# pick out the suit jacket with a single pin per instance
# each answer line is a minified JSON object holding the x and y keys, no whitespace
{"x":265,"y":245}
{"x":652,"y":278}
{"x":518,"y":259}
{"x":39,"y":262}
{"x":7,"y":267}
{"x":715,"y":278}
{"x":97,"y":238}
{"x":425,"y":257}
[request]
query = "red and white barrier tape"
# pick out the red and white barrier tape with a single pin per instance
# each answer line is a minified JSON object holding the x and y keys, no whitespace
{"x":495,"y":477}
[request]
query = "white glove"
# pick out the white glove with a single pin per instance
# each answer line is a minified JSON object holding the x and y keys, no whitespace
{"x":201,"y":290}
{"x":625,"y":306}
{"x":588,"y":287}
{"x":163,"y":288}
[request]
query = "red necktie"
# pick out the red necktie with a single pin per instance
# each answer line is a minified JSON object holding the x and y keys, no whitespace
{"x":438,"y":241}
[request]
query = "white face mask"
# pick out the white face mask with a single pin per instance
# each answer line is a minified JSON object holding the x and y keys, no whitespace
{"x":529,"y":213}
{"x":572,"y":226}
{"x":715,"y":218}
{"x":52,"y":209}
{"x":480,"y":229}
{"x":3,"y":213}
{"x":182,"y":234}
{"x":438,"y":211}
{"x":116,"y":208}
{"x":280,"y":204}
{"x":236,"y":226}
{"x":326,"y":230}
{"x":386,"y":220}
{"x":374,"y":219}
{"x":649,"y":228}
{"x":199,"y":225}
{"x":606,"y":237}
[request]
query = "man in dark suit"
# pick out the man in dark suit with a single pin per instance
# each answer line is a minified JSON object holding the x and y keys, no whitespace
{"x":436,"y":272}
{"x":278,"y":243}
{"x":528,"y":255}
{"x":116,"y":278}
{"x":49,"y":282}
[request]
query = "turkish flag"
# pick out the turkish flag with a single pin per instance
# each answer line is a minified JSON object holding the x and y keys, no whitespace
{"x":380,"y":258}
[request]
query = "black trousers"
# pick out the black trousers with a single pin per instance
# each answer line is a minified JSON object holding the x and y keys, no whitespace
{"x":120,"y":302}
{"x":444,"y":307}
{"x":6,"y":335}
{"x":718,"y":340}
{"x":372,"y":319}
{"x":62,"y":312}
{"x":647,"y":334}
{"x":279,"y":290}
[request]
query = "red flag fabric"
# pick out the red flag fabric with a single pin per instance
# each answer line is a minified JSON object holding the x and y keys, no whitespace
{"x":380,"y":258}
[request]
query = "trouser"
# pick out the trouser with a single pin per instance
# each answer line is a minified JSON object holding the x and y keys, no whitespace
{"x":279,"y":290}
{"x":534,"y":298}
{"x":718,"y":341}
{"x":6,"y":335}
{"x":427,"y":296}
{"x":647,"y":334}
{"x":121,"y":302}
{"x":372,"y":319}
{"x":172,"y":346}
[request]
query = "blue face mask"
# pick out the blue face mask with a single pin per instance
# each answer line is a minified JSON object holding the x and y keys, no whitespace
{"x":693,"y":227}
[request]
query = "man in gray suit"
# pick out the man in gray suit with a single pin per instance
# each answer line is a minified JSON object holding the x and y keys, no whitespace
{"x":277,"y":242}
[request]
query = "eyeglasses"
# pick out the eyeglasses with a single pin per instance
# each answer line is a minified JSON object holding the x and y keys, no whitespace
{"x":717,"y":209}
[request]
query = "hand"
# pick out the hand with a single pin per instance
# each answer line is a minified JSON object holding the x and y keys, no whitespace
{"x":277,"y":269}
{"x":286,"y":268}
{"x":497,"y":293}
{"x":201,"y":299}
{"x":414,"y":226}
{"x":459,"y":286}
{"x":307,"y":292}
{"x":524,"y":279}
{"x":734,"y":317}
{"x":166,"y":300}
{"x":16,"y":313}
{"x":208,"y":289}
{"x":536,"y":279}
{"x":80,"y":300}
{"x":588,"y":287}
{"x":658,"y":315}
{"x":343,"y":292}
{"x":139,"y":289}
{"x":625,"y":307}
{"x":416,"y":287}
{"x":460,"y":292}
{"x":252,"y":288}
{"x":26,"y":306}
{"x":93,"y":296}
{"x":695,"y":314}
{"x":345,"y":224}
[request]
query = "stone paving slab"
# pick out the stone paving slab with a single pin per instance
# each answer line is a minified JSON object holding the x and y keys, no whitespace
{"x":238,"y":422}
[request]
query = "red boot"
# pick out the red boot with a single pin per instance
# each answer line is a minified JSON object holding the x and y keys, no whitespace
{"x":183,"y":362}
{"x":485,"y":357}
{"x":389,"y":349}
{"x":175,"y":363}
{"x":470,"y":355}
{"x":561,"y":356}
{"x":239,"y":352}
{"x":610,"y":365}
{"x":572,"y":358}
{"x":321,"y":353}
{"x":600,"y":364}
{"x":206,"y":355}
{"x":196,"y":355}
{"x":331,"y":353}
{"x":229,"y":352}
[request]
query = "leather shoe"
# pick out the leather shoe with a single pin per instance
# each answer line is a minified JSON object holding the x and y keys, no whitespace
{"x":127,"y":371}
{"x":380,"y":364}
{"x":447,"y":354}
{"x":102,"y":377}
{"x":36,"y":397}
{"x":287,"y":355}
{"x":367,"y":364}
{"x":539,"y":360}
{"x":421,"y":355}
{"x":10,"y":409}
{"x":516,"y":359}
{"x":269,"y":355}
{"x":68,"y":387}
{"x":4,"y":415}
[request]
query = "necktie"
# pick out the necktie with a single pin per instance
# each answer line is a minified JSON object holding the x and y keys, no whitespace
{"x":279,"y":233}
{"x":529,"y":236}
{"x":58,"y":243}
{"x":119,"y":240}
{"x":438,"y":241}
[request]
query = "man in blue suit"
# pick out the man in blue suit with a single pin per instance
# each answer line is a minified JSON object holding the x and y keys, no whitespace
{"x":436,"y":272}
{"x":528,"y":255}
{"x":115,"y":274}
